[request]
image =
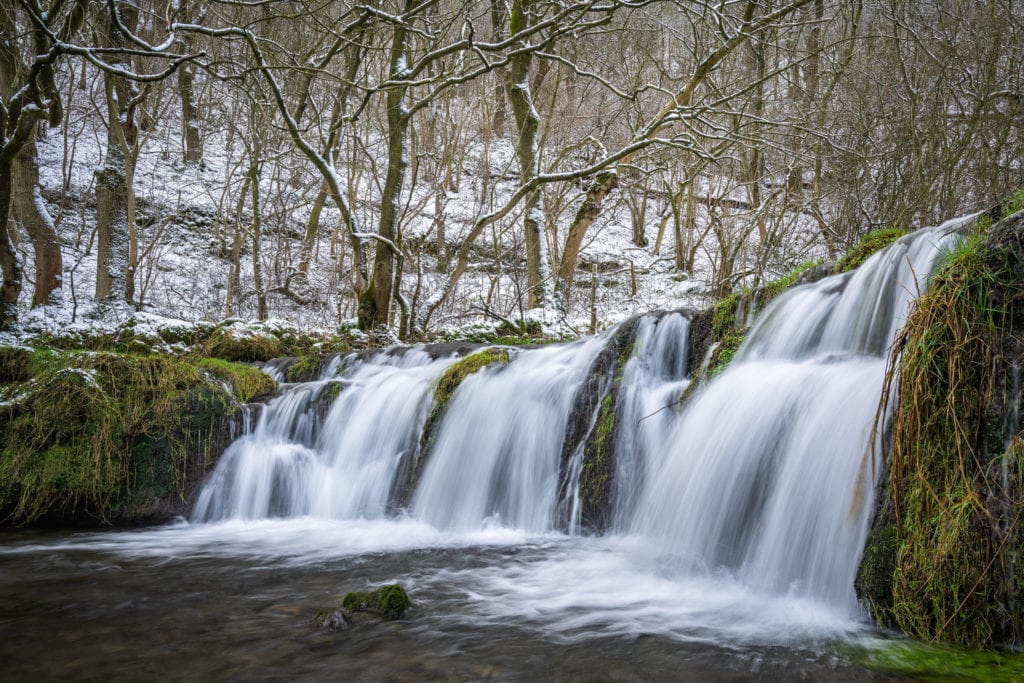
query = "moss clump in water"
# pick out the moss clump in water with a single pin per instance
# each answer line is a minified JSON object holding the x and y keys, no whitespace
{"x":389,"y":602}
{"x":457,"y":373}
{"x":869,"y":244}
{"x":936,"y":663}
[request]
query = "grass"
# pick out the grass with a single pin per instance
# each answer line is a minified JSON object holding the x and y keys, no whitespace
{"x":954,"y":494}
{"x":96,"y":435}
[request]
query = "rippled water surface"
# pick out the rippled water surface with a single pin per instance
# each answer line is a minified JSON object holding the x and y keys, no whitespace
{"x":238,"y":601}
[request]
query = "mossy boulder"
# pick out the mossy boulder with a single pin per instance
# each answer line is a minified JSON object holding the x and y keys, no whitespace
{"x":98,"y":437}
{"x":456,"y":374}
{"x":241,"y":344}
{"x":246,"y":382}
{"x":941,"y":563}
{"x":388,"y":602}
{"x":592,"y":427}
{"x":305,"y":368}
{"x":868,"y":245}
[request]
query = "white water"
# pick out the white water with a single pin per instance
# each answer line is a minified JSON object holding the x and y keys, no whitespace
{"x":652,"y":381}
{"x":343,"y":470}
{"x":767,"y":477}
{"x":497,"y":456}
{"x":742,"y":517}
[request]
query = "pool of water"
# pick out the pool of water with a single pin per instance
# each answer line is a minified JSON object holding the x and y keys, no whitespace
{"x":238,"y":601}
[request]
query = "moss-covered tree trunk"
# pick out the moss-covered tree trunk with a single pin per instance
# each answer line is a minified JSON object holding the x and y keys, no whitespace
{"x":375,"y":304}
{"x":538,"y":263}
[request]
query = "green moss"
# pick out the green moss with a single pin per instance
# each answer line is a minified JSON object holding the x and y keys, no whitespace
{"x":728,"y":332}
{"x":390,"y":601}
{"x":229,"y":344}
{"x":776,"y":287}
{"x":950,"y":548}
{"x":99,"y":435}
{"x":723,"y":320}
{"x":457,"y":373}
{"x":1014,"y":204}
{"x":247,"y":383}
{"x":15,"y":364}
{"x":869,"y":244}
{"x":306,"y":368}
{"x":937,"y":663}
{"x":724,"y":352}
{"x":596,"y":475}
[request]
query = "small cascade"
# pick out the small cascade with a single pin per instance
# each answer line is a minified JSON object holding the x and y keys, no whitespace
{"x":497,"y":455}
{"x":768,"y":474}
{"x":298,"y":461}
{"x":652,"y":381}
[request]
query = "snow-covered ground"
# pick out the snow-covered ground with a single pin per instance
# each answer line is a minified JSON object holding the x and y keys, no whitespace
{"x":187,"y":217}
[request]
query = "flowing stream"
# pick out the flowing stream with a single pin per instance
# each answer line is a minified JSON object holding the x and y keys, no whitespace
{"x":735,"y":524}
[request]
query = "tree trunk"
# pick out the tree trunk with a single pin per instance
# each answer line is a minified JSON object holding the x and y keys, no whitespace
{"x":111,"y":226}
{"x":585,"y":216}
{"x":114,"y":205}
{"x":192,"y":141}
{"x":375,"y":308}
{"x":538,"y":264}
{"x":28,"y":209}
{"x":257,"y":235}
{"x":10,"y":263}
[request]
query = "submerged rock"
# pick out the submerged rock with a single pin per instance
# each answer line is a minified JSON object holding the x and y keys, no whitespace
{"x":387,"y":602}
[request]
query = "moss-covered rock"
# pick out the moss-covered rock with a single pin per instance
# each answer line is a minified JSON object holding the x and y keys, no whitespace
{"x":944,"y":567}
{"x":247,"y":383}
{"x":235,"y":343}
{"x":910,"y":660}
{"x":306,"y":368}
{"x":868,"y":245}
{"x":594,"y":429}
{"x":108,"y":437}
{"x":455,"y":375}
{"x":389,"y":602}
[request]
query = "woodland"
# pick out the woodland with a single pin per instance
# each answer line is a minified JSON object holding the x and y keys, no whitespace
{"x":722,"y":297}
{"x":421,"y":165}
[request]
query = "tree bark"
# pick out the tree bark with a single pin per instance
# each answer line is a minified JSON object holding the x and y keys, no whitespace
{"x":538,"y":264}
{"x":10,"y":263}
{"x":375,"y":305}
{"x":28,"y":209}
{"x":114,"y":203}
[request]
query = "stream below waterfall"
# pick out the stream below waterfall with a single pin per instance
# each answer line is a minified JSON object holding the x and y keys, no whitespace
{"x":237,"y":601}
{"x":558,"y":517}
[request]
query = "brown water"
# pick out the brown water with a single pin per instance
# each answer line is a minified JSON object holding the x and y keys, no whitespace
{"x":164,"y":604}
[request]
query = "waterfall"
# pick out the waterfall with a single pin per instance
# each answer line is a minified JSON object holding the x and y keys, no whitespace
{"x":652,"y":381}
{"x":292,"y":465}
{"x":765,"y":475}
{"x":768,"y":473}
{"x":497,"y":455}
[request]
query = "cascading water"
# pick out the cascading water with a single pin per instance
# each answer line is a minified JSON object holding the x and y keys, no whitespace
{"x":652,"y":381}
{"x":497,"y":455}
{"x":290,"y":466}
{"x":756,"y":496}
{"x":767,"y":475}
